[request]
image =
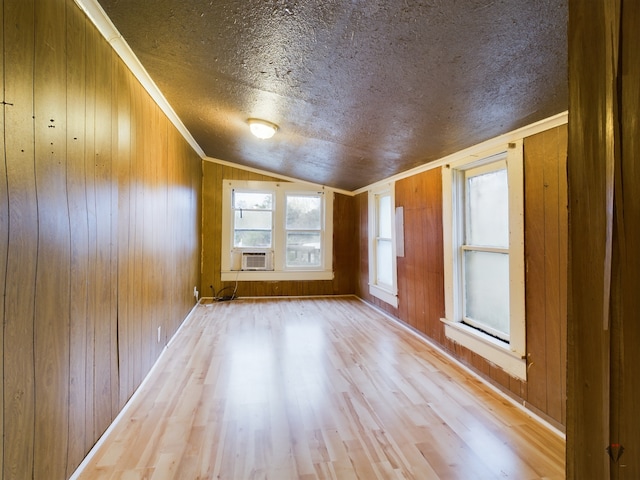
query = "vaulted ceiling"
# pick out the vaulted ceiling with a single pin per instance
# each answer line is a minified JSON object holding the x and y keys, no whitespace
{"x":361,"y":89}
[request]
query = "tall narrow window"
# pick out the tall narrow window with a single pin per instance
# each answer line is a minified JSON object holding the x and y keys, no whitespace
{"x":485,"y":251}
{"x":382,"y":254}
{"x":483,"y":235}
{"x":384,"y":246}
{"x":303,"y":227}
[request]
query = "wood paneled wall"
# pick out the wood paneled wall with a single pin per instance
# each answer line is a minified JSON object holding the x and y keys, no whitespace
{"x":344,"y":248}
{"x":99,"y":236}
{"x":421,"y":271}
{"x":603,"y":426}
{"x":546,"y":244}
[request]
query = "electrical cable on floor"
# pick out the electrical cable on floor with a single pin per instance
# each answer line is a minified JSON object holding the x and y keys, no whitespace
{"x":218,"y":297}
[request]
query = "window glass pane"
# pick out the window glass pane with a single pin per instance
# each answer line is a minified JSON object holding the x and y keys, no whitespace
{"x":252,"y":238}
{"x":384,"y":262}
{"x":252,"y":228}
{"x":304,"y":212}
{"x":303,"y":249}
{"x":486,"y":277}
{"x":253,"y":200}
{"x":487,"y":209}
{"x":252,"y":219}
{"x":384,"y":216}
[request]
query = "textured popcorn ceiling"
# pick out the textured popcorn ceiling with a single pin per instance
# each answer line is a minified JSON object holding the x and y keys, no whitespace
{"x":361,"y":89}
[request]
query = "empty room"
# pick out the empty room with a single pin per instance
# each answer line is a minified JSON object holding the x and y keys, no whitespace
{"x":274,"y":239}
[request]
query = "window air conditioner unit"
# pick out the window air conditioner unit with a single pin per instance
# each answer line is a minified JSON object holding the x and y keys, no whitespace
{"x":257,"y":260}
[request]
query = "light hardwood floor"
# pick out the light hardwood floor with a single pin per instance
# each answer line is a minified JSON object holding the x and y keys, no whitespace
{"x":313,"y":389}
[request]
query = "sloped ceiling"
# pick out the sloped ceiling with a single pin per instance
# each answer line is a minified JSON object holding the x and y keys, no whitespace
{"x":361,"y":89}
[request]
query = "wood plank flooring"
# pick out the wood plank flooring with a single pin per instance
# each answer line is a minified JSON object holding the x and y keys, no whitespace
{"x":315,"y":389}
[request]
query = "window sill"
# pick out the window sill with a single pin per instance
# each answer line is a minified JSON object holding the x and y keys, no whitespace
{"x":384,"y":295}
{"x":271,"y":275}
{"x":487,"y":347}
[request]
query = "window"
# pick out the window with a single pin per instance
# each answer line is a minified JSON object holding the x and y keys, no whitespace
{"x":253,"y":219}
{"x":485,"y":249}
{"x":382,"y":251}
{"x":484,"y":256}
{"x":304,"y":230}
{"x":276,"y":231}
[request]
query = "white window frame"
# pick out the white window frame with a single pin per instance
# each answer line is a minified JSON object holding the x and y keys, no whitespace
{"x":280,"y":270}
{"x":511,"y":355}
{"x":386,"y":293}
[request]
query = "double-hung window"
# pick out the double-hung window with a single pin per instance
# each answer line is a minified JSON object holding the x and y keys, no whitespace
{"x":484,"y":250}
{"x":303,"y":227}
{"x":382,"y":247}
{"x":483,"y":210}
{"x":276,"y":231}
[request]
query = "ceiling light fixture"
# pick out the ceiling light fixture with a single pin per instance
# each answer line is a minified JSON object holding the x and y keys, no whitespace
{"x":261,"y":128}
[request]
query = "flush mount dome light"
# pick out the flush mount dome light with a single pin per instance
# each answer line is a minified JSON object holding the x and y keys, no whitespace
{"x":261,"y":128}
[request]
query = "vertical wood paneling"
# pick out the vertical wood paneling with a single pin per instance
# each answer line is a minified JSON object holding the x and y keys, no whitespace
{"x":103,"y":280}
{"x":625,"y":336}
{"x":556,"y":264}
{"x":128,"y":305}
{"x":138,"y":250}
{"x":114,"y":165}
{"x":192,"y":243}
{"x":363,"y":246}
{"x":211,"y":225}
{"x":90,"y":194}
{"x":535,"y":270}
{"x":178,"y":194}
{"x":148,"y":151}
{"x":173,"y":273}
{"x":161,"y":234}
{"x":51,"y":329}
{"x":421,"y":253}
{"x":563,"y":274}
{"x":435,"y":260}
{"x":554,"y":374}
{"x":345,"y":253}
{"x":153,"y":262}
{"x":122,"y":164}
{"x":592,"y":120}
{"x":546,"y":246}
{"x":86,"y":159}
{"x":76,"y":192}
{"x":408,"y":194}
{"x":409,"y":271}
{"x":420,"y":270}
{"x":161,"y":237}
{"x":4,"y":236}
{"x":19,"y":394}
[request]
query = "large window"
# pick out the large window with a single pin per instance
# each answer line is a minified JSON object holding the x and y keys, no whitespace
{"x":276,"y":231}
{"x":484,"y":256}
{"x":382,"y":248}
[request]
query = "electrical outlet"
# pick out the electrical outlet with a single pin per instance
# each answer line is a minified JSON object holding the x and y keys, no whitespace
{"x":196,"y":293}
{"x":159,"y":333}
